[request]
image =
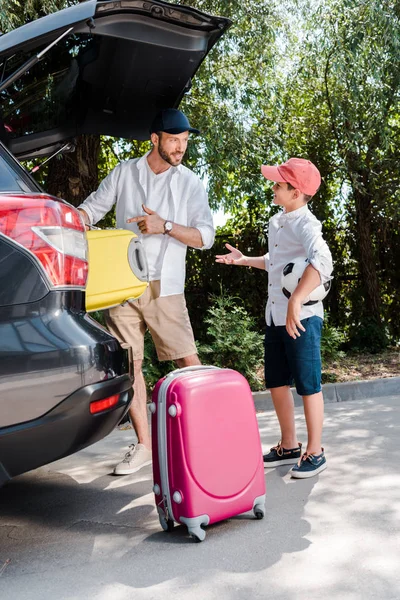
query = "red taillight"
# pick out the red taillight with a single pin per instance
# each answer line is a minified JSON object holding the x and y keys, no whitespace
{"x":52,"y":231}
{"x":100,"y":405}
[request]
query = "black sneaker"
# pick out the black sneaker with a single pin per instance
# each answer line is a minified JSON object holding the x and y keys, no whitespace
{"x":282,"y":456}
{"x":309,"y":465}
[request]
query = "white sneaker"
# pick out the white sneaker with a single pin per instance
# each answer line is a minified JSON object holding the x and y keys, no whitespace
{"x":137,"y":457}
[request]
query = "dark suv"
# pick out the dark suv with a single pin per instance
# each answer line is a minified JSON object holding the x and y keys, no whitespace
{"x":102,"y":67}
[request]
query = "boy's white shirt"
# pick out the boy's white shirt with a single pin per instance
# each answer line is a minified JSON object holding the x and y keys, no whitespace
{"x":127,"y":185}
{"x":294,"y":234}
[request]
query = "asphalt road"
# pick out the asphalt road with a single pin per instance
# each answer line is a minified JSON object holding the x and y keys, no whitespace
{"x":73,"y":531}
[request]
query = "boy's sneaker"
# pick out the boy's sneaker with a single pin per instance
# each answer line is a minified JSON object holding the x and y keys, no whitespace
{"x":309,"y":465}
{"x":137,"y":457}
{"x":282,"y":456}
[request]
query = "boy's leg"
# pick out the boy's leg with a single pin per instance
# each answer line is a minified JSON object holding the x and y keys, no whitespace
{"x":278,"y":379}
{"x":305,"y":362}
{"x":314,"y":414}
{"x":288,"y":450}
{"x":282,"y":399}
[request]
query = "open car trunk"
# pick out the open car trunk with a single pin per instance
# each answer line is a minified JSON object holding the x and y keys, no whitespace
{"x":114,"y":66}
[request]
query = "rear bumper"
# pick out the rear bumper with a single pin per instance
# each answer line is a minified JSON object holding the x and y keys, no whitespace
{"x":65,"y":429}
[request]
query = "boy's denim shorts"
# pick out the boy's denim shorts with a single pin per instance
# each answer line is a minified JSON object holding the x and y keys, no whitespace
{"x":289,"y":360}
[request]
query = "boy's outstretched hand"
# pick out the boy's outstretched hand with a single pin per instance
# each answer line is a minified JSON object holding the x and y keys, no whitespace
{"x":235,"y":257}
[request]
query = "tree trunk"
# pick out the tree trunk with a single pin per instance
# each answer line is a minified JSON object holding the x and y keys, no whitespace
{"x":74,"y":176}
{"x":367,"y":262}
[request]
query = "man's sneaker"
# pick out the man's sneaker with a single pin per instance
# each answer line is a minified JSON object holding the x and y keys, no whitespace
{"x":137,"y":457}
{"x":282,"y":456}
{"x":309,"y":465}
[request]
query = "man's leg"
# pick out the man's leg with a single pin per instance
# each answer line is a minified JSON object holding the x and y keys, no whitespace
{"x":140,"y":455}
{"x":138,"y":408}
{"x":126,"y":323}
{"x":188,"y":361}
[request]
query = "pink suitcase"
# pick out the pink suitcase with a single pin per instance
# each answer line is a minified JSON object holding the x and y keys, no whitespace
{"x":207,"y":458}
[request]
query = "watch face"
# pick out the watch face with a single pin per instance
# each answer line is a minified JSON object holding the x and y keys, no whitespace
{"x":167,"y":225}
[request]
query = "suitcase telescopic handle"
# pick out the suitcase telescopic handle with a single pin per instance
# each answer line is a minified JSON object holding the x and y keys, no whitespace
{"x":192,"y":368}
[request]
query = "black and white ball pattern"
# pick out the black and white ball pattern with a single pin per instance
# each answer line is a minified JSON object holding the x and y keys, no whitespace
{"x":291,"y":275}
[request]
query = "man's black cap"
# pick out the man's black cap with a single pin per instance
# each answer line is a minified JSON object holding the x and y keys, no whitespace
{"x":171,"y":120}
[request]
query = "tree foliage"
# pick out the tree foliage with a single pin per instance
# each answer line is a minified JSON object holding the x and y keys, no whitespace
{"x":318,"y":79}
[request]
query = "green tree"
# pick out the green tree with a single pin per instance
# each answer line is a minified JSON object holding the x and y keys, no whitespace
{"x":343,"y":109}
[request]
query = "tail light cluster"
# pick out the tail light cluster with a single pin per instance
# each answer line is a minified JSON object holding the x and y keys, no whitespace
{"x":53,"y":232}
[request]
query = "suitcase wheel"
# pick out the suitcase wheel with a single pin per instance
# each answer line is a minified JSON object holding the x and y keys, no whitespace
{"x":166,"y":524}
{"x":197,"y":533}
{"x":259,"y":511}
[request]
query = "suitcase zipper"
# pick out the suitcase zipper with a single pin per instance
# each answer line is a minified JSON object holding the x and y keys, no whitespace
{"x":162,"y":446}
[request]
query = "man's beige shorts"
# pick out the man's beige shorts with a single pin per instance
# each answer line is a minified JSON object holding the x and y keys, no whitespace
{"x":167,"y":319}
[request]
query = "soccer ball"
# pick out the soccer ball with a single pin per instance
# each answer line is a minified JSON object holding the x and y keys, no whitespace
{"x":291,"y":275}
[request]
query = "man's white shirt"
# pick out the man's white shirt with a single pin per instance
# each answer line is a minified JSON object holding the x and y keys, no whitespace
{"x":294,"y":234}
{"x":178,"y":196}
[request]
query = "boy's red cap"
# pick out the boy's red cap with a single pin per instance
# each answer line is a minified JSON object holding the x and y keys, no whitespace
{"x":299,"y":172}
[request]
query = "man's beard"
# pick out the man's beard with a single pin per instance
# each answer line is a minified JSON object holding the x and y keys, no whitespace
{"x":174,"y":162}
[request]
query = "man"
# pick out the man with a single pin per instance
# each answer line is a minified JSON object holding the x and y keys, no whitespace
{"x":166,"y":205}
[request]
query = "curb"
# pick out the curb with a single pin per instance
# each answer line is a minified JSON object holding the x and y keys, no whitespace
{"x":339,"y":392}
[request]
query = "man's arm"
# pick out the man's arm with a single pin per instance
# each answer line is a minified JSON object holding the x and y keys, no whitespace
{"x":187,"y":235}
{"x":85,"y":217}
{"x":151,"y":223}
{"x":101,"y":201}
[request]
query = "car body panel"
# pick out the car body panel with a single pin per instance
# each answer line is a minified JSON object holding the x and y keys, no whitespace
{"x":51,"y":350}
{"x":67,"y":428}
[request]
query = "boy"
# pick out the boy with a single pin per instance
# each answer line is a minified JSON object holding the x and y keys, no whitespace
{"x":293,"y":330}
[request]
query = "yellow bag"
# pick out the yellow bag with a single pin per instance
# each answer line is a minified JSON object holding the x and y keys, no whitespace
{"x":117,"y":268}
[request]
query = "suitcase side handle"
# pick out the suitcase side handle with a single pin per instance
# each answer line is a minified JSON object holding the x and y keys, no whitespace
{"x":137,"y":260}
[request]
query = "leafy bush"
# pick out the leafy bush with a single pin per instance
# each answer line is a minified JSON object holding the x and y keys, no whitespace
{"x":331,"y":342}
{"x":231,"y":341}
{"x":368,"y":336}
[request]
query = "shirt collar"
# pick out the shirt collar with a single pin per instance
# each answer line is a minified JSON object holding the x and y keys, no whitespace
{"x":294,"y":214}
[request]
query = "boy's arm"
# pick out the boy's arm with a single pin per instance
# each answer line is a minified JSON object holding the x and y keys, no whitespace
{"x":316,"y":249}
{"x":318,"y":271}
{"x":235,"y":257}
{"x":308,"y":282}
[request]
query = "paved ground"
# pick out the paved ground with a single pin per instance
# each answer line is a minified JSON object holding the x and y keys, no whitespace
{"x":73,"y":531}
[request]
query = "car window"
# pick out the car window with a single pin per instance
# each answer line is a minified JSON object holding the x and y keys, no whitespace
{"x":12,"y":176}
{"x":47,"y":95}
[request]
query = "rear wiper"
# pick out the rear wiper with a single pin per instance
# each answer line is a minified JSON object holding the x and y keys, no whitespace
{"x":31,"y":62}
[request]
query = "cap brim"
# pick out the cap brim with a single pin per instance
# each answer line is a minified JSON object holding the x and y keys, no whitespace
{"x":271,"y":173}
{"x":180,"y":130}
